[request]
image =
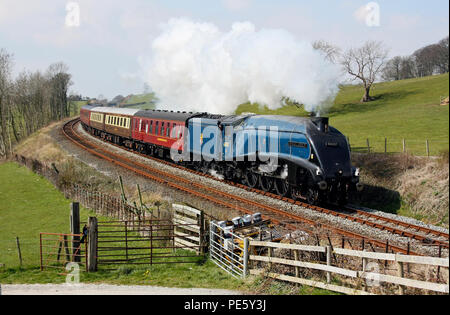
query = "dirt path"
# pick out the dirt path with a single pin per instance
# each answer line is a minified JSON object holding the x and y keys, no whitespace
{"x":104,"y":289}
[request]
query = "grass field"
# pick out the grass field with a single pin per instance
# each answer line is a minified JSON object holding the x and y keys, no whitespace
{"x":29,"y":204}
{"x":407,"y":109}
{"x":148,"y":99}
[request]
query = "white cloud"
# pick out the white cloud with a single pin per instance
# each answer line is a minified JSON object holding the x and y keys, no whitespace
{"x":236,"y":5}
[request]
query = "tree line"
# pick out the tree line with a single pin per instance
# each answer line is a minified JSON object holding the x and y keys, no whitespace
{"x":370,"y":62}
{"x":30,"y":101}
{"x":426,"y":61}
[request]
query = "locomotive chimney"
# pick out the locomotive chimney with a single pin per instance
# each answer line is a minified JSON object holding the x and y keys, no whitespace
{"x":321,"y":123}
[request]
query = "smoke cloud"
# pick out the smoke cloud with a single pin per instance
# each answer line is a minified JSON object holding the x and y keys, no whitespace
{"x":196,"y":67}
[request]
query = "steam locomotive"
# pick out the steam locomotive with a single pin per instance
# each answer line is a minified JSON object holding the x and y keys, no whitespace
{"x":298,"y":157}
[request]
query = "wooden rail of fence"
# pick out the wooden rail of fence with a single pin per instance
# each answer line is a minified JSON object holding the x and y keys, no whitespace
{"x":424,"y":147}
{"x":399,"y":279}
{"x":189,"y":228}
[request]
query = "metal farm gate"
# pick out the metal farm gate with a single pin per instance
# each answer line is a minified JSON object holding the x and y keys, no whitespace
{"x":56,"y":250}
{"x":228,"y":250}
{"x":145,"y":242}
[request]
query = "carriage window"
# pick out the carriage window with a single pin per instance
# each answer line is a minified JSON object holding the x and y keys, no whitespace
{"x":162,"y":129}
{"x":146,"y":127}
{"x":151,"y":126}
{"x":156,"y":128}
{"x":168,"y":130}
{"x":174,"y":130}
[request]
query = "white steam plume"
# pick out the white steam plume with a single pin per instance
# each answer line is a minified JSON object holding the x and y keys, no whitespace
{"x":196,"y":67}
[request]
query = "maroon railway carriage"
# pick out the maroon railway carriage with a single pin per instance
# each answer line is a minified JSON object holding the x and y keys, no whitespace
{"x":152,"y":132}
{"x":156,"y":132}
{"x":85,"y":114}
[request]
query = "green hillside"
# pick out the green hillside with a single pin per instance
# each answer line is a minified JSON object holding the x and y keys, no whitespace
{"x":148,"y":99}
{"x":407,"y":109}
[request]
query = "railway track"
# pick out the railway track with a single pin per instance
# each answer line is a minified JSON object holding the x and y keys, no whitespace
{"x":283,"y":218}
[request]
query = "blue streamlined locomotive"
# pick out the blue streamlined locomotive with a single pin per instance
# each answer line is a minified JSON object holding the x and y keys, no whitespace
{"x":300,"y":157}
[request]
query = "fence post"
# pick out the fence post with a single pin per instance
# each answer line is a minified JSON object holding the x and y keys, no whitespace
{"x":297,"y":270}
{"x":126,"y":240}
{"x":202,"y":233}
{"x":246,"y":249}
{"x":428,"y":148}
{"x":328,"y":263}
{"x":270,"y":254}
{"x":92,"y":245}
{"x":40,"y":251}
{"x":400,"y":273}
{"x":18,"y":250}
{"x":364,"y":268}
{"x":385,"y":145}
{"x":75,"y":229}
{"x":404,"y":145}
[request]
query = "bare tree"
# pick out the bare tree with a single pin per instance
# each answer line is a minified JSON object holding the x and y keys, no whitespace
{"x":365,"y":63}
{"x":399,"y":68}
{"x":432,"y":59}
{"x":392,"y":69}
{"x":5,"y":94}
{"x":59,"y":82}
{"x":443,"y":57}
{"x":330,"y":51}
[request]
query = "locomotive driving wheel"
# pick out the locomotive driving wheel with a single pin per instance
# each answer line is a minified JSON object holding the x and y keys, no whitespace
{"x":266,"y":183}
{"x":312,"y":196}
{"x":251,"y":179}
{"x":282,"y":187}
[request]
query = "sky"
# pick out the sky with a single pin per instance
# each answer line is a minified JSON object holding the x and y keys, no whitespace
{"x":104,"y":41}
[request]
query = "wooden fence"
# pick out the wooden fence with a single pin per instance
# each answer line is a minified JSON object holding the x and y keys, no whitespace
{"x":189,"y":228}
{"x":426,"y":147}
{"x":264,"y":265}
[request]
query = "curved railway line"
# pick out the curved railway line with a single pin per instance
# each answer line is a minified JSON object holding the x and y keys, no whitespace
{"x":288,"y":220}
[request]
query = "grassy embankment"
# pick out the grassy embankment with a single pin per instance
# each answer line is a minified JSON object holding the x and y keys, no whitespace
{"x":30,"y":205}
{"x":148,"y":99}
